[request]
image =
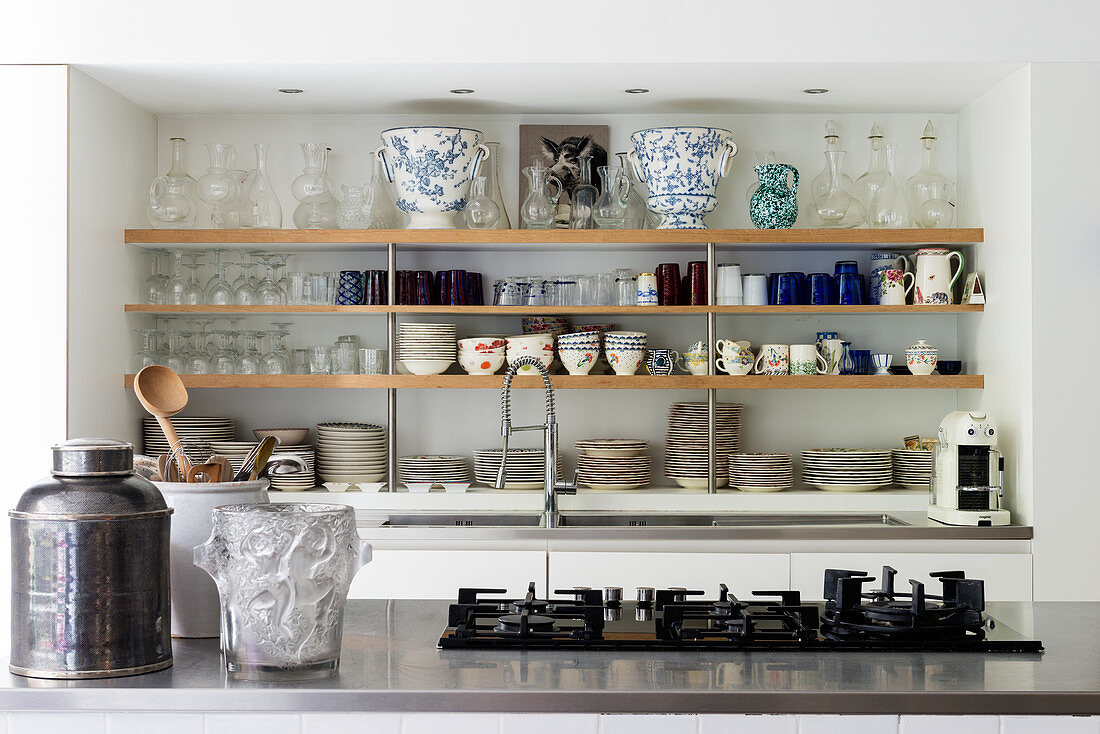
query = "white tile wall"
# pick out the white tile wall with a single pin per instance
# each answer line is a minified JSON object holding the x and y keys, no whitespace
{"x":349,"y":724}
{"x":253,"y":724}
{"x":648,"y":724}
{"x":51,"y":723}
{"x":847,"y":725}
{"x":450,"y":724}
{"x":1050,"y":725}
{"x":950,"y":725}
{"x":745,"y":724}
{"x":141,"y":723}
{"x":549,"y":724}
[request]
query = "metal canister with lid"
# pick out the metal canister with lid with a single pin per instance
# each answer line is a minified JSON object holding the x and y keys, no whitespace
{"x":90,"y":557}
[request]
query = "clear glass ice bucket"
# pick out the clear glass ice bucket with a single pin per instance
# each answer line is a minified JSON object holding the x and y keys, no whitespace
{"x":283,"y":573}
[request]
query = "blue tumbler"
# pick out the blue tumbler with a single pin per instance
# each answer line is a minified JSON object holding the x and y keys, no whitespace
{"x":850,"y":289}
{"x":349,"y":292}
{"x":821,"y":289}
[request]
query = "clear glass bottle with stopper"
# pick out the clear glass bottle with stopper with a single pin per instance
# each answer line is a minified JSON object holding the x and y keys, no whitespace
{"x":831,"y":191}
{"x":583,"y":201}
{"x":261,"y":208}
{"x":931,"y":194}
{"x":492,"y":186}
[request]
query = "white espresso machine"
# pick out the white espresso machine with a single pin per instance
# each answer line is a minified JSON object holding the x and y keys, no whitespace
{"x":967,"y":483}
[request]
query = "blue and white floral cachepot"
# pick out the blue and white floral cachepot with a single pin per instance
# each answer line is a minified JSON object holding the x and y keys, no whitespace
{"x":432,"y":168}
{"x":681,"y":167}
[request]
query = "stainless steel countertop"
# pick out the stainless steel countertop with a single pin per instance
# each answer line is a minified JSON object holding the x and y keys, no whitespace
{"x":390,"y":663}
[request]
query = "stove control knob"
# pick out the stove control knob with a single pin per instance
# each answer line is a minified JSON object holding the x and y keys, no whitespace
{"x":582,"y":589}
{"x":645,"y":596}
{"x":612,"y":596}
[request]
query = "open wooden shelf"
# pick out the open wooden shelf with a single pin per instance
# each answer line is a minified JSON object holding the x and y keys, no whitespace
{"x":556,"y":310}
{"x":593,"y":382}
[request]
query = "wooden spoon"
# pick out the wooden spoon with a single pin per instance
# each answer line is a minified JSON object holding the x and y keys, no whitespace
{"x":210,"y":473}
{"x":161,"y":392}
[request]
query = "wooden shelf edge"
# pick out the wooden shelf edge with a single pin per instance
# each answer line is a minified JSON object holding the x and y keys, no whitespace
{"x":590,"y":382}
{"x":561,"y":310}
{"x":563,"y":236}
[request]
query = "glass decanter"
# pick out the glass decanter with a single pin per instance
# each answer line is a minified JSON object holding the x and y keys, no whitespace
{"x":354,"y":210}
{"x":763,"y":158}
{"x":836,"y":207}
{"x":219,"y":187}
{"x":610,"y":210}
{"x":888,"y":207}
{"x":822,"y":183}
{"x":868,"y":185}
{"x":260,"y":208}
{"x":317,"y":209}
{"x":250,"y":360}
{"x":638,"y":215}
{"x":172,"y":202}
{"x":384,"y":214}
{"x":537,"y":211}
{"x":480,"y":212}
{"x":583,"y":201}
{"x":931,"y":194}
{"x":492,"y":185}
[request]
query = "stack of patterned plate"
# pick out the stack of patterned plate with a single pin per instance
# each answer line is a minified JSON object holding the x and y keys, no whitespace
{"x":432,"y":469}
{"x":613,"y":463}
{"x":761,"y":472}
{"x":686,"y":442}
{"x":847,"y":470}
{"x":912,"y":467}
{"x":237,"y":452}
{"x":195,"y":433}
{"x":609,"y":447}
{"x":526,"y":468}
{"x":427,"y":349}
{"x":351,"y":452}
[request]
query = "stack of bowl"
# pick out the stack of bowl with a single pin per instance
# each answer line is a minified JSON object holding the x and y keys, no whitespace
{"x":426,"y":349}
{"x":481,"y":355}
{"x":625,"y":350}
{"x":539,"y":346}
{"x":601,"y":367}
{"x":545,"y":325}
{"x":578,"y":351}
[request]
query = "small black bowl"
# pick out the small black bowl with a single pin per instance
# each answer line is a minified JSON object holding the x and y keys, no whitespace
{"x":949,"y":366}
{"x":900,"y":370}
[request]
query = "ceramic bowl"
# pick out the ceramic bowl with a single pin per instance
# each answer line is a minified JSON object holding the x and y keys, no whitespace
{"x":481,"y":363}
{"x":286,"y":436}
{"x":427,"y":366}
{"x":481,"y":344}
{"x":578,"y":360}
{"x":625,"y":361}
{"x":949,"y":366}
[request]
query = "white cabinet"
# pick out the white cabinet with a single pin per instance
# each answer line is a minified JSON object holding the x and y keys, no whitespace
{"x":1007,"y":576}
{"x":438,"y":573}
{"x":743,"y":572}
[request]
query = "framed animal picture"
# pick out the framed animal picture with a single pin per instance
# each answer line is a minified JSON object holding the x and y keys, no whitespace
{"x":559,"y":148}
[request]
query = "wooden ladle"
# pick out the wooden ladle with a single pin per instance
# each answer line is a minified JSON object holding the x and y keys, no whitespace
{"x":161,"y":392}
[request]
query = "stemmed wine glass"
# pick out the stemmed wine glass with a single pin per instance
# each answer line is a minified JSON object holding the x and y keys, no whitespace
{"x":244,"y":291}
{"x":218,"y":290}
{"x":201,"y":326}
{"x":176,"y":285}
{"x":177,"y":350}
{"x":224,"y":361}
{"x":153,"y":289}
{"x":268,"y":292}
{"x":147,"y":355}
{"x":283,"y":326}
{"x":193,"y":294}
{"x":198,"y":360}
{"x":250,"y":361}
{"x":276,"y":362}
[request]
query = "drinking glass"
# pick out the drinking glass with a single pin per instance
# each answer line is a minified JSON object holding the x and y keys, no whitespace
{"x":224,"y":361}
{"x":177,"y":350}
{"x":280,"y":346}
{"x":147,"y":355}
{"x":570,"y":292}
{"x":244,"y":287}
{"x":250,"y":362}
{"x":202,"y":336}
{"x":536,"y":291}
{"x":586,"y":290}
{"x":372,"y":361}
{"x":320,"y":361}
{"x":606,"y":293}
{"x":177,"y":284}
{"x":153,"y":290}
{"x":193,"y":294}
{"x":627,"y":288}
{"x":275,"y":362}
{"x":509,"y":292}
{"x":198,"y":359}
{"x":218,"y":290}
{"x":299,"y":360}
{"x":345,"y":358}
{"x":300,"y":291}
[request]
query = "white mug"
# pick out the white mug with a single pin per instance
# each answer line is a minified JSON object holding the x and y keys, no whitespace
{"x":774,"y":359}
{"x":755,"y":288}
{"x":893,"y":286}
{"x":832,"y":350}
{"x":733,"y":366}
{"x":806,"y":360}
{"x":728,"y":277}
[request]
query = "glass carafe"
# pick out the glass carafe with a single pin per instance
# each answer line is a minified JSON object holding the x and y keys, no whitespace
{"x":492,"y":186}
{"x":354,"y":211}
{"x":218,"y":187}
{"x":537,"y":211}
{"x":888,"y":206}
{"x":638,"y":215}
{"x":172,"y":202}
{"x":384,"y":214}
{"x":261,"y":208}
{"x":317,"y":209}
{"x":480,"y":212}
{"x":836,"y":207}
{"x":931,"y":194}
{"x":822,"y":183}
{"x":870,"y":183}
{"x":610,"y":210}
{"x":583,"y":202}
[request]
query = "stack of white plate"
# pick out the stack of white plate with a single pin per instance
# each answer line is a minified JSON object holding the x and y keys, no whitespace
{"x":436,"y":469}
{"x":761,"y":472}
{"x":912,"y":467}
{"x":526,"y":468}
{"x":847,"y":470}
{"x":686,"y":443}
{"x":427,"y":349}
{"x":351,"y":452}
{"x":613,"y":463}
{"x":609,"y":447}
{"x":238,"y":451}
{"x":196,"y":434}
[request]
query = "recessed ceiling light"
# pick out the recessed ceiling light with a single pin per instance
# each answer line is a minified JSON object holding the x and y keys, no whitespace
{"x":462,"y":91}
{"x":815,"y":90}
{"x":290,"y":90}
{"x":637,"y":90}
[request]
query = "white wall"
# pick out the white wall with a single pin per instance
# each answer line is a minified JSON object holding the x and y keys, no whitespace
{"x":111,"y":161}
{"x":1065,"y":269}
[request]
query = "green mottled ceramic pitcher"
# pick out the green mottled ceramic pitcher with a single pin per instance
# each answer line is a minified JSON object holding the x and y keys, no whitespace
{"x":775,"y":205}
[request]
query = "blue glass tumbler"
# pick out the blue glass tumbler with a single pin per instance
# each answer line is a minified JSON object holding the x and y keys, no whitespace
{"x":821,"y":289}
{"x":850,"y":289}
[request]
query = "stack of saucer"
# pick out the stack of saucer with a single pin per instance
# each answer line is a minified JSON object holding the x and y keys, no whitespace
{"x":238,"y":451}
{"x":351,"y":452}
{"x":686,"y":443}
{"x":195,"y":433}
{"x":427,"y":349}
{"x":526,"y":468}
{"x":436,"y":469}
{"x":545,"y":325}
{"x":761,"y":472}
{"x":912,"y":467}
{"x":847,"y":470}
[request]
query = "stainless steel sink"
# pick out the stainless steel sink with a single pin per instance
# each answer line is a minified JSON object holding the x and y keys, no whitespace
{"x":464,"y":520}
{"x":580,"y":520}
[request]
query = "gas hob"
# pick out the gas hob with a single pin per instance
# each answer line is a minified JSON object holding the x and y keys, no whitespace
{"x":853,"y":617}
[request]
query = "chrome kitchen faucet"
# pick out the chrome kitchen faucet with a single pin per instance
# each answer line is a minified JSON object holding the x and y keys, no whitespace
{"x":550,"y":436}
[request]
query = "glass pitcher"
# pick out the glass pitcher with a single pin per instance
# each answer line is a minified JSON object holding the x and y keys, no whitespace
{"x":354,"y":212}
{"x":611,"y":207}
{"x":172,"y":203}
{"x":317,"y":209}
{"x":583,"y":202}
{"x":283,"y":573}
{"x":638,"y":215}
{"x":219,"y":187}
{"x":539,"y":207}
{"x":931,"y":194}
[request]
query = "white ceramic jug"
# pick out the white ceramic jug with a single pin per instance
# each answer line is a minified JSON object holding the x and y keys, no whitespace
{"x":934,"y":276}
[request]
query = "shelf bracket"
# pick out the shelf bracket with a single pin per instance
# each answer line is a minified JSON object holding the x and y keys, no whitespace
{"x":712,"y":394}
{"x":391,"y":359}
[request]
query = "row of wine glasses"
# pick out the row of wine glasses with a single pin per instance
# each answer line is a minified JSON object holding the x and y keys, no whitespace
{"x":197,"y":351}
{"x":248,"y":288}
